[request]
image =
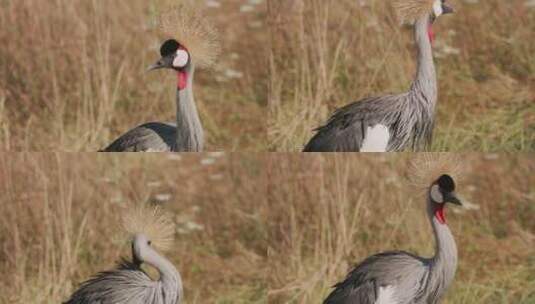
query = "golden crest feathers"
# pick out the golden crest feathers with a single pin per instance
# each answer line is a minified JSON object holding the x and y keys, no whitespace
{"x":410,"y":10}
{"x":426,"y":168}
{"x":153,"y":222}
{"x":185,"y":23}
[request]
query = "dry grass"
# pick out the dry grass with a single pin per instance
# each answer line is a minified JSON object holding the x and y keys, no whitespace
{"x":288,"y":224}
{"x":326,"y":54}
{"x":73,"y":75}
{"x":61,"y":215}
{"x":328,"y":212}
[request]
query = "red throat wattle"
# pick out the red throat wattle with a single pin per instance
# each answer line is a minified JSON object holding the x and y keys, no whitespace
{"x":182,"y":80}
{"x":430,"y":33}
{"x":439,"y":214}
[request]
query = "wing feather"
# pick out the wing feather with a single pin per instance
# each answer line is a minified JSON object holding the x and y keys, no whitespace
{"x":398,"y":269}
{"x":150,"y":137}
{"x":365,"y":293}
{"x":128,"y":283}
{"x":346,"y":129}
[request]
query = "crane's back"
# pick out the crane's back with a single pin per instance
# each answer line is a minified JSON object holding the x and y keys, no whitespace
{"x":149,"y":137}
{"x":397,"y":274}
{"x":407,"y":119}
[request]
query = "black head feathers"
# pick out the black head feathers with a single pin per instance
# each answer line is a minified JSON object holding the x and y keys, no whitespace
{"x":169,"y":47}
{"x":446,"y":183}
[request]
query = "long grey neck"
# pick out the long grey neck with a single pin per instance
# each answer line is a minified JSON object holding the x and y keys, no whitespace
{"x":444,"y":264}
{"x":425,"y":83}
{"x":189,"y":133}
{"x":170,"y":279}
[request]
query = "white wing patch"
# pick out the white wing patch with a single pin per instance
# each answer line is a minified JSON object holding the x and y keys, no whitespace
{"x":376,"y":139}
{"x":437,"y":8}
{"x":386,"y":295}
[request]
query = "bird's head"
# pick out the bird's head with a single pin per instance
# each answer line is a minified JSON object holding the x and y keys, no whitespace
{"x":435,"y":175}
{"x":442,"y":191}
{"x":196,"y":43}
{"x":413,"y":10}
{"x":176,"y":57}
{"x":140,"y":244}
{"x":148,"y":228}
{"x":440,"y":7}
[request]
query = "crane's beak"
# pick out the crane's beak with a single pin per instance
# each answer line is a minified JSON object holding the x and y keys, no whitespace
{"x":156,"y":66}
{"x":446,"y":9}
{"x":451,"y":197}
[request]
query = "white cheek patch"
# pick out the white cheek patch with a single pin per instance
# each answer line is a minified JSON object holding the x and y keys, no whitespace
{"x":437,"y":8}
{"x":181,"y":59}
{"x":435,"y":194}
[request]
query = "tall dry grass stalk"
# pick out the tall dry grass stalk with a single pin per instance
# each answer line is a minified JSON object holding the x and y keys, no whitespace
{"x":329,"y":212}
{"x":60,"y":222}
{"x":41,"y":240}
{"x":73,"y":75}
{"x":326,"y":54}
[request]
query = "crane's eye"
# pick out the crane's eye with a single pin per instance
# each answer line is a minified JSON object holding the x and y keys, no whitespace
{"x":150,"y":243}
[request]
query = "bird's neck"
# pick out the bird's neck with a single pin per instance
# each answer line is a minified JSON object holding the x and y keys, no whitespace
{"x":189,"y":133}
{"x":444,"y":263}
{"x":424,"y":86}
{"x":170,"y":279}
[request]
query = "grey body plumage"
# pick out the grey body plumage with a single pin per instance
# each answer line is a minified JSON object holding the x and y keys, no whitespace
{"x":121,"y":285}
{"x":128,"y":283}
{"x":399,"y":277}
{"x":409,"y":117}
{"x":153,"y":136}
{"x":410,"y":127}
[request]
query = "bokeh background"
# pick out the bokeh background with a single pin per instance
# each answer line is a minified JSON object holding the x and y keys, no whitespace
{"x":72,"y":74}
{"x":60,"y":218}
{"x":280,"y":228}
{"x":328,"y":212}
{"x":329,"y":53}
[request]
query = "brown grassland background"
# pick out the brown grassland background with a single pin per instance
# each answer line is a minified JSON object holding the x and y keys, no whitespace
{"x":328,"y":53}
{"x":260,"y":228}
{"x":72,"y":74}
{"x":329,"y":212}
{"x":60,"y":215}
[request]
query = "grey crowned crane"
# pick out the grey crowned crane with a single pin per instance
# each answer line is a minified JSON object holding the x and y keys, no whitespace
{"x":392,"y":122}
{"x":398,"y":277}
{"x":196,"y":45}
{"x":149,"y":230}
